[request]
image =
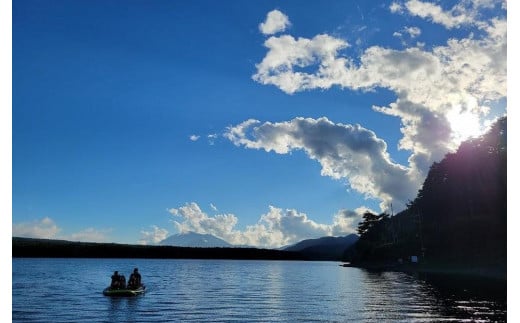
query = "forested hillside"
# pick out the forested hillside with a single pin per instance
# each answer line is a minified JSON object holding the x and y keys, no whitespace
{"x":45,"y":248}
{"x":458,"y":218}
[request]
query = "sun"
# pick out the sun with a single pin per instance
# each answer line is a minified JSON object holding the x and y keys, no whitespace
{"x":464,"y":125}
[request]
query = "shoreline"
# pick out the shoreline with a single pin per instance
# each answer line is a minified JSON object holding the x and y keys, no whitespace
{"x":484,"y":272}
{"x":47,"y":248}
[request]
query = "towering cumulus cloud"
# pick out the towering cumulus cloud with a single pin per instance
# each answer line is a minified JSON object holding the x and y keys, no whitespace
{"x":276,"y":228}
{"x":344,"y":151}
{"x":436,"y":88}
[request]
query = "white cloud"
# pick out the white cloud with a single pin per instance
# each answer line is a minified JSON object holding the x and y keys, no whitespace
{"x":44,"y":229}
{"x":153,"y":237}
{"x":276,"y":21}
{"x":487,"y":3}
{"x":276,"y":228}
{"x":197,"y":221}
{"x":344,"y":151}
{"x":434,"y":88}
{"x":450,"y":19}
{"x":286,"y":54}
{"x":396,"y":8}
{"x":194,"y":137}
{"x":212,"y":138}
{"x":462,"y":13}
{"x":213,"y":207}
{"x":411,"y":70}
{"x":412,"y":31}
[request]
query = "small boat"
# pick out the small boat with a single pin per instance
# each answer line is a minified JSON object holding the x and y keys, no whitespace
{"x":109,"y":291}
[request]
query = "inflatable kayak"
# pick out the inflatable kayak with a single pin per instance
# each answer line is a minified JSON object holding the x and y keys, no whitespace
{"x":123,"y":291}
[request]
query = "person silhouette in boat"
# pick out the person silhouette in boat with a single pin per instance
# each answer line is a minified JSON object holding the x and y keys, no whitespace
{"x":116,"y":280}
{"x":122,"y":281}
{"x":135,"y":279}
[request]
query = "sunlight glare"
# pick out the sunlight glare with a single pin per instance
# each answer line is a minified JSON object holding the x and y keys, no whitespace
{"x":464,"y":124}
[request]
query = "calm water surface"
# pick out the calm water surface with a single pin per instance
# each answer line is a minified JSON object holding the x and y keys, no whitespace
{"x":70,"y":290}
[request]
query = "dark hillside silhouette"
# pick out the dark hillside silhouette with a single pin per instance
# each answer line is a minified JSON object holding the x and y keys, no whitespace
{"x":459,"y":217}
{"x":45,"y":248}
{"x":325,"y":248}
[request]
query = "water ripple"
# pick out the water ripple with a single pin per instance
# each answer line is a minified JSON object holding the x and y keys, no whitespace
{"x":69,"y":290}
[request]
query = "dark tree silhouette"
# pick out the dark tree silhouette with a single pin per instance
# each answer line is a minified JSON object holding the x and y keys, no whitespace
{"x":459,"y":216}
{"x":369,"y":221}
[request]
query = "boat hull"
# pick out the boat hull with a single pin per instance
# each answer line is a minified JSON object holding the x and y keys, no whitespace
{"x":123,"y":292}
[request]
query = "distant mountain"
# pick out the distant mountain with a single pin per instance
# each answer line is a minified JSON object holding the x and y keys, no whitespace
{"x":325,"y":248}
{"x":192,"y":239}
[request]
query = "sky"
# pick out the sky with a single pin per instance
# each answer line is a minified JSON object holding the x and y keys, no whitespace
{"x":263,"y":123}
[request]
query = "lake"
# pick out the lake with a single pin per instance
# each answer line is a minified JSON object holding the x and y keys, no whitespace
{"x":70,"y":290}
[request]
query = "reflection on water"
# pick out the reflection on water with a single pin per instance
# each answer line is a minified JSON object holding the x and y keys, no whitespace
{"x":481,"y":299}
{"x":70,"y":290}
{"x":122,"y":309}
{"x":427,"y":297}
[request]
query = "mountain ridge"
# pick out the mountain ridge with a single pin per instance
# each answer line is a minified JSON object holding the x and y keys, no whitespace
{"x":195,"y":240}
{"x":324,"y":248}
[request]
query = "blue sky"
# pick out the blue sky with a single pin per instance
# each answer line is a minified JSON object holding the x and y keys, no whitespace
{"x":263,"y":124}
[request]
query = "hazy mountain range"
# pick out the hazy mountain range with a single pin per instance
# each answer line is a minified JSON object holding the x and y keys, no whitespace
{"x":325,"y":248}
{"x":192,"y":239}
